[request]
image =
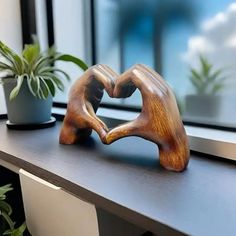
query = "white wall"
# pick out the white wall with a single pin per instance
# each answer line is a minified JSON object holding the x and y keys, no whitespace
{"x":2,"y":102}
{"x":10,"y":32}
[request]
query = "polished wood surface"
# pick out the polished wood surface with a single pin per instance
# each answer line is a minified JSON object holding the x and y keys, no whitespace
{"x":158,"y":122}
{"x":84,"y":100}
{"x":127,"y":180}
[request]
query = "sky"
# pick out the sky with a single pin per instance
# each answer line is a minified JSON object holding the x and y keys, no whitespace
{"x":177,"y":50}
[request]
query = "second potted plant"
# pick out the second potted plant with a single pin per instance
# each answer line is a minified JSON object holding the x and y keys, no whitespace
{"x":207,"y":83}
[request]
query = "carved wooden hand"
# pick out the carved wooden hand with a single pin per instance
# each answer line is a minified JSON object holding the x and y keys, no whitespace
{"x":84,"y":100}
{"x":159,"y":120}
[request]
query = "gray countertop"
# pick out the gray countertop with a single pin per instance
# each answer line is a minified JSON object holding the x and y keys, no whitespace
{"x":126,"y":179}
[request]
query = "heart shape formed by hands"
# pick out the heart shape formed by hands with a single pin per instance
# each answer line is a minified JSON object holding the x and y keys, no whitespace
{"x":158,"y":122}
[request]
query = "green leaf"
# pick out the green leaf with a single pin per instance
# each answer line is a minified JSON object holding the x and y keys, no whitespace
{"x":42,"y":61}
{"x":55,"y":79}
{"x":215,"y":74}
{"x":206,"y":66}
{"x":46,"y":69}
{"x":31,"y":52}
{"x":53,"y":69}
{"x":196,"y":75}
{"x":40,"y":94}
{"x":8,"y":220}
{"x":217,"y":87}
{"x":44,"y":88}
{"x":196,"y":84}
{"x":58,"y":83}
{"x":16,"y":90}
{"x":33,"y":84}
{"x":63,"y":72}
{"x":16,"y":232}
{"x":5,"y":66}
{"x":34,"y":65}
{"x":206,"y":80}
{"x":75,"y":60}
{"x":4,"y":189}
{"x":50,"y":85}
{"x":12,"y":58}
{"x":6,"y":52}
{"x":18,"y":64}
{"x":4,"y":206}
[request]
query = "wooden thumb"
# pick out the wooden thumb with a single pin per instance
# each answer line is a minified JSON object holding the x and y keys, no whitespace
{"x":121,"y":131}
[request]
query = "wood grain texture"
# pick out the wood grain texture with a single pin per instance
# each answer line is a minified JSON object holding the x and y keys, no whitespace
{"x":158,"y":122}
{"x":84,"y":100}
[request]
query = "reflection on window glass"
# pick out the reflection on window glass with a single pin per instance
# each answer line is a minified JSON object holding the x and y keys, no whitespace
{"x":192,"y":44}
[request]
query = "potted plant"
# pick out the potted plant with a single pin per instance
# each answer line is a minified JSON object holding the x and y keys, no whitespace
{"x":30,"y":80}
{"x":207,"y":82}
{"x":7,"y":226}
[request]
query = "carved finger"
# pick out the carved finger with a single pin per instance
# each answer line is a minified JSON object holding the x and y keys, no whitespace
{"x":93,"y":82}
{"x":155,"y":79}
{"x":93,"y":114}
{"x":125,"y":85}
{"x":79,"y":128}
{"x":113,"y":74}
{"x":96,"y":124}
{"x":128,"y":129}
{"x":138,"y":77}
{"x":104,"y":76}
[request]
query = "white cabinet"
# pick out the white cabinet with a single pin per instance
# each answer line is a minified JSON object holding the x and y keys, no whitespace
{"x":50,"y":211}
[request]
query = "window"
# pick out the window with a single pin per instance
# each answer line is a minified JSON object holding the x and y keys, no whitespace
{"x":174,"y":37}
{"x":170,"y":36}
{"x":67,"y":29}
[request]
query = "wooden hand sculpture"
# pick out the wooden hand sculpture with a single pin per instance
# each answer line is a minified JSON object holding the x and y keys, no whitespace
{"x":84,"y":100}
{"x":159,"y":120}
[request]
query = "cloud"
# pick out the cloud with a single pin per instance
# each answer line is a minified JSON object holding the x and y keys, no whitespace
{"x":217,"y":40}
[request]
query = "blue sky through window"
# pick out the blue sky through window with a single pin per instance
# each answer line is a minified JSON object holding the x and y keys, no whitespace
{"x":138,"y":46}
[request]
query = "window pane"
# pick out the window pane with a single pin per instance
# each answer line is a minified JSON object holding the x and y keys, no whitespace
{"x":70,"y":37}
{"x":192,"y":44}
{"x":107,"y":43}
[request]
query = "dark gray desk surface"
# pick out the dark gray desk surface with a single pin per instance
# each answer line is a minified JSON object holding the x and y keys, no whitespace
{"x":125,"y":178}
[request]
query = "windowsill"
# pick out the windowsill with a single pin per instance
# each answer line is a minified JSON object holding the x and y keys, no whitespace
{"x":205,"y":140}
